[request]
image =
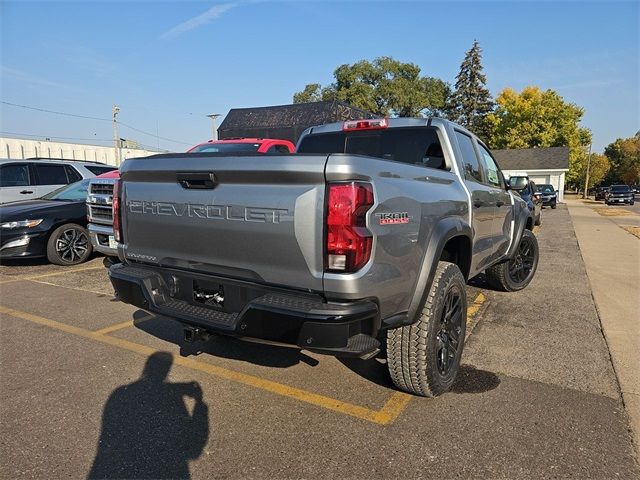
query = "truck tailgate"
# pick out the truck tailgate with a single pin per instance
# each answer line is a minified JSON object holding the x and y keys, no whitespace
{"x":260,"y":218}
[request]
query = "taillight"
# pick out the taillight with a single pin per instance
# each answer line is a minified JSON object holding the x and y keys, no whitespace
{"x":348,"y":246}
{"x":375,"y":124}
{"x":115,"y":209}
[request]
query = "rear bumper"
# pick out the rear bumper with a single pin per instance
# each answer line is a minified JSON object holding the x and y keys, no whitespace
{"x":99,"y":235}
{"x":252,"y":310}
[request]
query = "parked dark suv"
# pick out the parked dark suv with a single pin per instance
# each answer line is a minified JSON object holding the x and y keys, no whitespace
{"x":548,"y":195}
{"x":619,"y":194}
{"x":601,"y":192}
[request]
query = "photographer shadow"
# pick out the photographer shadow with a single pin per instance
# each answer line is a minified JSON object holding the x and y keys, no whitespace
{"x":148,"y":431}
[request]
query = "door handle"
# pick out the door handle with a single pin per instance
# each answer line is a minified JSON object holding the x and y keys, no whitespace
{"x":196,"y":180}
{"x":499,"y":203}
{"x":478,"y":203}
{"x":24,"y":192}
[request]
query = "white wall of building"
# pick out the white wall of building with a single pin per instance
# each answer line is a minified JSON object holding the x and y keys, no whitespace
{"x":553,"y":177}
{"x":20,"y":148}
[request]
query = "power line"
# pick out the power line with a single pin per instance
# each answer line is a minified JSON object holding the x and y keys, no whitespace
{"x":152,"y":134}
{"x":58,"y":138}
{"x":57,"y":113}
{"x":93,"y":118}
{"x":44,"y":137}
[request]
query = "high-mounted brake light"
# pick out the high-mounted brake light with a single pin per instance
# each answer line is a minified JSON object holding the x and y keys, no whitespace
{"x":348,"y":242}
{"x":115,"y":210}
{"x":375,"y":124}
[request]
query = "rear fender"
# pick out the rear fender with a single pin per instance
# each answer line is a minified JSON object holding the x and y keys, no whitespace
{"x":445,"y":230}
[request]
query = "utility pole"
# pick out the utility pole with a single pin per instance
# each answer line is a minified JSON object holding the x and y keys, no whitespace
{"x":116,"y":137}
{"x":213,"y":117}
{"x":586,"y":180}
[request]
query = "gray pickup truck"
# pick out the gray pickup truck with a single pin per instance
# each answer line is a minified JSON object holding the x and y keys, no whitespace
{"x":363,"y":239}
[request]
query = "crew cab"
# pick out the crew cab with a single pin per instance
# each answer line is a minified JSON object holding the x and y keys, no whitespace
{"x":366,"y":236}
{"x":100,"y":195}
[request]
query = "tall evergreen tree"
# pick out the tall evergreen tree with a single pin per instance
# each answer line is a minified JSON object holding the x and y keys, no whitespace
{"x":471,"y":101}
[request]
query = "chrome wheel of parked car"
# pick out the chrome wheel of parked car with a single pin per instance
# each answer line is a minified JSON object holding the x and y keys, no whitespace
{"x":69,"y":245}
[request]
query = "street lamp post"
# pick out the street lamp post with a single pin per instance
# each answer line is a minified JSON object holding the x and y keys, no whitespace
{"x":585,"y":194}
{"x":213,"y":117}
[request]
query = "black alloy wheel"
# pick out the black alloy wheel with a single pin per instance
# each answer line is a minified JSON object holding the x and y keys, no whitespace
{"x":69,"y":245}
{"x":521,"y":265}
{"x":450,"y":329}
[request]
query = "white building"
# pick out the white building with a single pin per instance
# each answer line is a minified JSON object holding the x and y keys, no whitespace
{"x":542,"y":165}
{"x":20,"y":148}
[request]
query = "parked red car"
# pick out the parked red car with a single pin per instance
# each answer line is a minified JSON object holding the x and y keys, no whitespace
{"x":246,"y":145}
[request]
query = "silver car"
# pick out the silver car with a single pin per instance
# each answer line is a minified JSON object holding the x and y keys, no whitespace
{"x":26,"y":179}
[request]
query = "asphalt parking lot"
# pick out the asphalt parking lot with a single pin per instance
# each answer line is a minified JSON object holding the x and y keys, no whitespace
{"x":86,"y":390}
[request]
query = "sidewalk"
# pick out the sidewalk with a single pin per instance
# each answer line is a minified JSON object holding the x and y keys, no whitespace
{"x":612,"y":259}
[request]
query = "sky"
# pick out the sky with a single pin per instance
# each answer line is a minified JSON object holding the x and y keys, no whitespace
{"x":168,"y":64}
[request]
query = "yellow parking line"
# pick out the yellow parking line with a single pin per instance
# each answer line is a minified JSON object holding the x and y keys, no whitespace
{"x":475,"y":306}
{"x":113,"y":328}
{"x":388,"y":414}
{"x":391,"y":410}
{"x":51,"y":274}
{"x":121,"y":325}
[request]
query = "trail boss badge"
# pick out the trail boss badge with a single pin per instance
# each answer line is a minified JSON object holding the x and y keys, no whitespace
{"x":393,"y":218}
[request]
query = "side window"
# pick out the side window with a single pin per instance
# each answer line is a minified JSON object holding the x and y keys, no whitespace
{"x":469,"y":158}
{"x":99,"y":170}
{"x":72,"y":174}
{"x":494,"y":176}
{"x":51,"y":174}
{"x":14,"y":175}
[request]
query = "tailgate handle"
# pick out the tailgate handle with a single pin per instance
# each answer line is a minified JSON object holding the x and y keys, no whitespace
{"x":196,"y":180}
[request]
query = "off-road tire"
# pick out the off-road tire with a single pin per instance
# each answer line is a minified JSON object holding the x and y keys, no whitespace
{"x":81,"y":252}
{"x":414,"y":351}
{"x":499,"y":276}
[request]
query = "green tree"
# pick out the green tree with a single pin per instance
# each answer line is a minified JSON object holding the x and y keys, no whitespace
{"x":385,"y":87}
{"x":536,"y":118}
{"x":311,"y":93}
{"x":598,"y":170}
{"x":624,"y":155}
{"x":471,"y":101}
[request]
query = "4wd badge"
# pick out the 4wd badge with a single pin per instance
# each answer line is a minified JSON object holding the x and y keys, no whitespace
{"x":393,"y":218}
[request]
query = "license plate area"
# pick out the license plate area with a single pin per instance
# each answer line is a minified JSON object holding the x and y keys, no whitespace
{"x":221,"y":296}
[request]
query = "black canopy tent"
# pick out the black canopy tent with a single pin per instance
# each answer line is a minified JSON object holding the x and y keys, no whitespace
{"x":286,"y":122}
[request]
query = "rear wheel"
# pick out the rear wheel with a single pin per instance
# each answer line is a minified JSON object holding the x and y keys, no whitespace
{"x":69,"y":245}
{"x":424,"y":358}
{"x":516,"y":273}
